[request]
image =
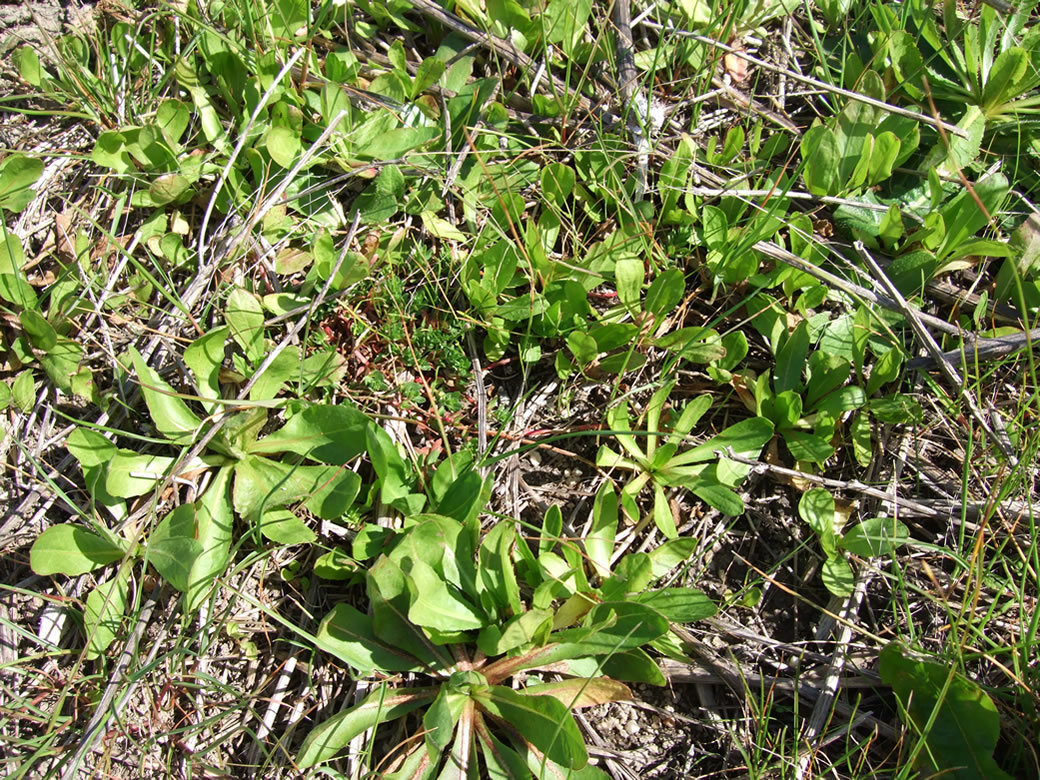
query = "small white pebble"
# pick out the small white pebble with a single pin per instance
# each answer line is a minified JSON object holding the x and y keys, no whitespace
{"x":632,"y":727}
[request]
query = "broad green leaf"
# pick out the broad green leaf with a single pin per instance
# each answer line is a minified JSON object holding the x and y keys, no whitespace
{"x":129,"y":474}
{"x":389,"y":597}
{"x":663,"y":517}
{"x":394,"y":475}
{"x":204,"y":357}
{"x":213,"y":530}
{"x":816,"y":508}
{"x":680,"y":605}
{"x":628,"y":277}
{"x":500,"y":760}
{"x":557,"y":182}
{"x":859,"y":432}
{"x":821,"y":161}
{"x":496,"y":572}
{"x":62,"y":364}
{"x":103,"y":613}
{"x":875,"y":536}
{"x":89,"y":447}
{"x":965,"y":725}
{"x":284,"y":527}
{"x":170,"y":415}
{"x":790,"y":359}
{"x":665,"y":292}
{"x":808,"y":447}
{"x":71,"y":549}
{"x":599,"y":542}
{"x":667,"y":556}
{"x":245,"y":317}
{"x":438,"y":605}
{"x":382,"y":705}
{"x":172,"y":546}
{"x":283,"y":144}
{"x":347,"y":634}
{"x":1002,"y":82}
{"x":746,"y":438}
{"x":718,"y":496}
{"x":331,"y":434}
{"x":167,"y":188}
{"x":395,"y":143}
{"x":40,"y":332}
{"x":577,"y":693}
{"x":262,"y":484}
{"x":440,"y":719}
{"x":518,"y":631}
{"x":837,"y":576}
{"x":620,"y":625}
{"x":542,"y":720}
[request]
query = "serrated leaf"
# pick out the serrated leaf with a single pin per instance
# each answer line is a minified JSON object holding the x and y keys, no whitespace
{"x":72,"y":550}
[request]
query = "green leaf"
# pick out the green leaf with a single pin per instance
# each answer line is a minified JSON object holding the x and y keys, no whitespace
{"x":262,"y":484}
{"x":103,"y":613}
{"x":283,"y":144}
{"x":394,"y":475}
{"x":17,"y":175}
{"x":496,"y":571}
{"x":746,"y":438}
{"x":331,"y":434}
{"x":204,"y":357}
{"x":680,"y":605}
{"x":518,"y":631}
{"x":71,"y":549}
{"x":599,"y":542}
{"x":875,"y":536}
{"x":395,"y":143}
{"x":438,"y":605}
{"x":663,"y":517}
{"x":790,"y":359}
{"x":859,"y":432}
{"x":718,"y":496}
{"x":245,"y":316}
{"x":167,"y":188}
{"x":382,"y":705}
{"x":347,"y":634}
{"x":173,"y":548}
{"x":213,"y":530}
{"x":542,"y":720}
{"x":23,"y":391}
{"x":816,"y":508}
{"x":129,"y":474}
{"x":837,"y":576}
{"x":628,"y":277}
{"x":667,"y":556}
{"x":808,"y":447}
{"x":29,"y":67}
{"x":965,"y":725}
{"x":1007,"y":71}
{"x":557,"y":182}
{"x":389,"y":596}
{"x":171,"y":416}
{"x":665,"y":292}
{"x":821,"y":161}
{"x":41,"y":334}
{"x":283,"y":527}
